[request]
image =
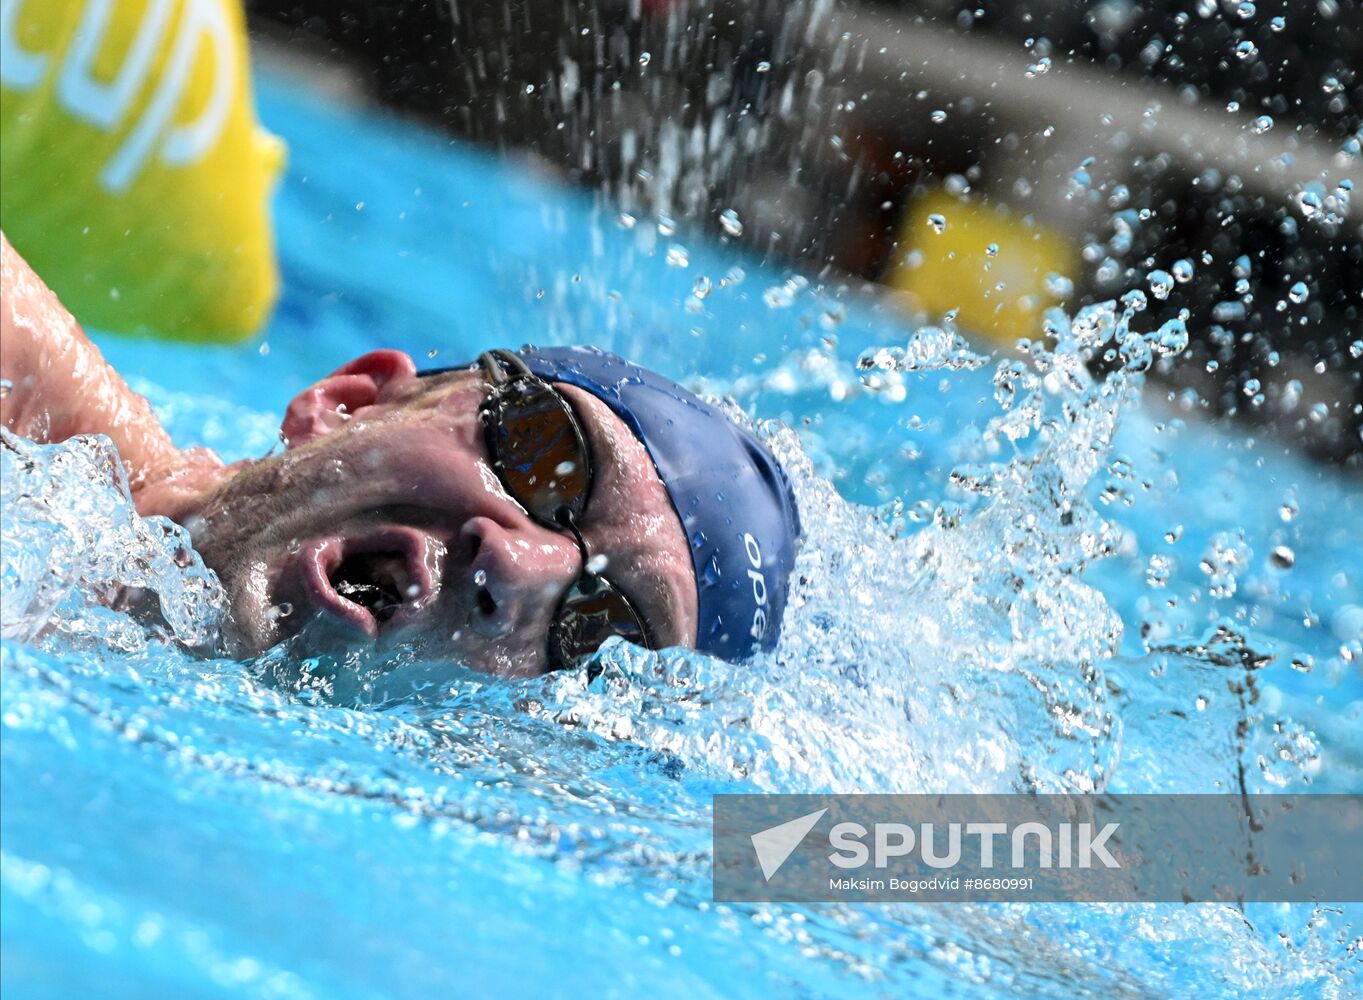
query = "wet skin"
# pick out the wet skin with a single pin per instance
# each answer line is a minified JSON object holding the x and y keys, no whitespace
{"x":386,"y":485}
{"x":59,"y":386}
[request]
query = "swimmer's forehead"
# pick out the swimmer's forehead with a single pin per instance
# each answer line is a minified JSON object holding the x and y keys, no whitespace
{"x":631,"y":513}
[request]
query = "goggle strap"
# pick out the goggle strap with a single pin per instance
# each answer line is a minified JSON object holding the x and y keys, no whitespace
{"x":492,"y":371}
{"x":496,"y":362}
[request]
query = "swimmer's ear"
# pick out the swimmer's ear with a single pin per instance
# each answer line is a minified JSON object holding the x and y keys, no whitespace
{"x":326,"y":405}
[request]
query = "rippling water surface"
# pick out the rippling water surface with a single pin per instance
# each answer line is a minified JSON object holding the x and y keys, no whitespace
{"x":1017,"y":577}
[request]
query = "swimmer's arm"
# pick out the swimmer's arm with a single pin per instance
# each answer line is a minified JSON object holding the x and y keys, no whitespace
{"x":59,"y":385}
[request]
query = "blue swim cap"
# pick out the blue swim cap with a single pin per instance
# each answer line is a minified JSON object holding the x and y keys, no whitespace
{"x":735,"y":502}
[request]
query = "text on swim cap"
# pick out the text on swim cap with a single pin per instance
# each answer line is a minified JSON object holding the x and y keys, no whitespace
{"x":759,"y":585}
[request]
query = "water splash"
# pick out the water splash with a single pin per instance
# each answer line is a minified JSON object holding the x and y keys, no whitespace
{"x":963,"y":651}
{"x":74,"y":546}
{"x":930,"y":348}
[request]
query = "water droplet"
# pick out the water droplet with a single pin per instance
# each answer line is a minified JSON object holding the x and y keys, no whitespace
{"x":1356,"y":349}
{"x":666,"y":226}
{"x":992,"y":250}
{"x":1278,"y":24}
{"x":1172,"y":337}
{"x":1262,"y":124}
{"x":939,"y":116}
{"x":1289,"y":509}
{"x":626,"y":220}
{"x":597,"y":564}
{"x":783,"y":295}
{"x":937,"y":222}
{"x":1059,"y":285}
{"x":1246,"y":50}
{"x":730,"y":222}
{"x":1182,"y":271}
{"x":280,"y":611}
{"x":1039,"y":68}
{"x":1135,"y":300}
{"x":264,"y":348}
{"x":480,"y":578}
{"x":764,"y":67}
{"x":294,"y":546}
{"x":1161,"y":283}
{"x":6,"y":387}
{"x":678,"y":256}
{"x":1226,"y":556}
{"x":1158,"y":570}
{"x":1299,"y":293}
{"x":1283,"y":557}
{"x":702,"y":287}
{"x":1246,"y":10}
{"x":645,"y":58}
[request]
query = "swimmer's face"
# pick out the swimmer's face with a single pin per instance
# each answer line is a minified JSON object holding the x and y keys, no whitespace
{"x":386,"y":490}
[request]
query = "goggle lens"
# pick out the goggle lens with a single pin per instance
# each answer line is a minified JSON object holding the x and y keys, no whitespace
{"x":592,"y":612}
{"x":539,"y":451}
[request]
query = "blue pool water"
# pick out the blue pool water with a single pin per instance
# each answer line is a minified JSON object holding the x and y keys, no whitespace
{"x":174,"y":826}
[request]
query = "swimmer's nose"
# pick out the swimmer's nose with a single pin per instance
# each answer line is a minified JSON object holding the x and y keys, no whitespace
{"x":516,"y":575}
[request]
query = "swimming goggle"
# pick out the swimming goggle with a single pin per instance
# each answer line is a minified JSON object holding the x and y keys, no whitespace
{"x":541,"y":455}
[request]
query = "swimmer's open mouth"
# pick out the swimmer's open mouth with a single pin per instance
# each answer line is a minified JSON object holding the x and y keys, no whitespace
{"x":371,"y":580}
{"x":378,"y":582}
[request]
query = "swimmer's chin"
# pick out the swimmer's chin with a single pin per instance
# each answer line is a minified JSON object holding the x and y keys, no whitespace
{"x":249,"y":631}
{"x":255,"y":631}
{"x":252,"y":624}
{"x":257,"y":625}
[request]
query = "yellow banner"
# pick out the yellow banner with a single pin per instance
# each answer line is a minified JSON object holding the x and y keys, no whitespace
{"x":993,"y":267}
{"x":135,"y":177}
